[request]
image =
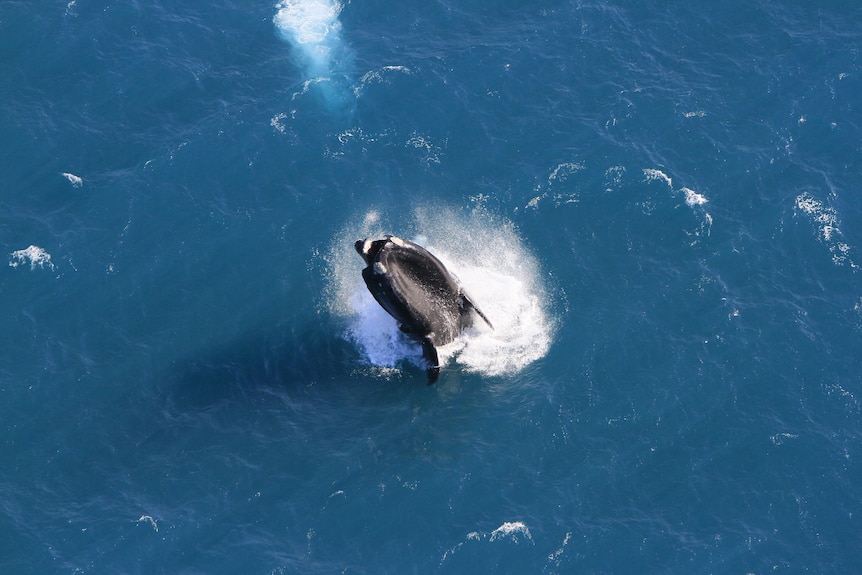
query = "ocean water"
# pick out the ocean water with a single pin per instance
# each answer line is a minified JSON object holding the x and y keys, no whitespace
{"x":657,"y":205}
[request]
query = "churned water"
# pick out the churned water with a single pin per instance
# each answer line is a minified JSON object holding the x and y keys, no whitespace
{"x":656,"y":204}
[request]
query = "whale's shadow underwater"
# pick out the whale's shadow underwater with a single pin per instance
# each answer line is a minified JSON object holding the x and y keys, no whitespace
{"x":415,"y":288}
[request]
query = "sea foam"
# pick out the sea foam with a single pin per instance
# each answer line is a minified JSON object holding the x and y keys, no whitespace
{"x":826,"y":218}
{"x":313,"y":28}
{"x":495,"y":268}
{"x":76,"y":181}
{"x":33,"y":255}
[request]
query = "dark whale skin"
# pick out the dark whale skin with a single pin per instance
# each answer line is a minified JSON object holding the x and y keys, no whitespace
{"x":416,"y":289}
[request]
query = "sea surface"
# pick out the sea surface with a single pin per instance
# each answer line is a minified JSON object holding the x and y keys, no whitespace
{"x":657,"y":204}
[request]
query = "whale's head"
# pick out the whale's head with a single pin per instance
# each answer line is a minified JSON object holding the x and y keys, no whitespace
{"x":364,"y":249}
{"x":368,"y":249}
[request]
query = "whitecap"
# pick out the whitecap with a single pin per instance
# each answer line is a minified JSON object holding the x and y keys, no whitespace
{"x":563,"y":171}
{"x":651,"y":174}
{"x":152,"y":522}
{"x":76,"y":181}
{"x":692,"y":198}
{"x":33,"y":255}
{"x":511,"y":530}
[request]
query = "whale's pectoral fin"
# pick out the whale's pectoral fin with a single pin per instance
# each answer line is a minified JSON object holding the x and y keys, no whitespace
{"x":429,"y":352}
{"x":467,"y":305}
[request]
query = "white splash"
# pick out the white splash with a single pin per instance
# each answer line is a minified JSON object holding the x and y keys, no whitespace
{"x":377,"y":335}
{"x":33,"y":255}
{"x":517,"y":339}
{"x":313,"y":28}
{"x":73,"y":179}
{"x":496,"y":270}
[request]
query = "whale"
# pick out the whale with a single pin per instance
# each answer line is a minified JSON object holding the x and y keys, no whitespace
{"x":416,"y":289}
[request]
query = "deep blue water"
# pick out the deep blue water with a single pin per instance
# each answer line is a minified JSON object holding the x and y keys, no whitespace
{"x":657,"y":203}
